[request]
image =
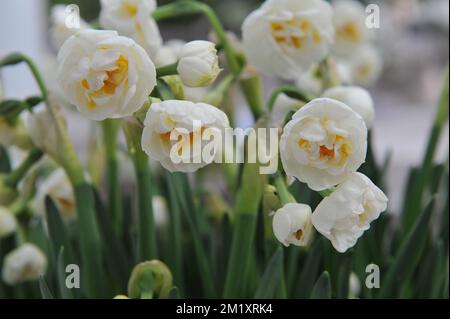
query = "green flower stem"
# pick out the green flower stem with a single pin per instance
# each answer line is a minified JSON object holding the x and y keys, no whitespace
{"x":216,"y":96}
{"x":189,"y":7}
{"x":16,"y":176}
{"x":147,"y":248}
{"x":170,"y":69}
{"x":252,"y":89}
{"x":282,"y":190}
{"x":246,"y":214}
{"x":290,"y":91}
{"x":15,"y":58}
{"x":110,"y":133}
{"x":326,"y":192}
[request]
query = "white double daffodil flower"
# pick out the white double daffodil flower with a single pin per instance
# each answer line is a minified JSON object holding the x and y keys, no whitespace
{"x":343,"y":216}
{"x":132,"y":18}
{"x":180,"y":118}
{"x":323,"y":142}
{"x":285,"y":37}
{"x":105,"y":75}
{"x":350,"y":24}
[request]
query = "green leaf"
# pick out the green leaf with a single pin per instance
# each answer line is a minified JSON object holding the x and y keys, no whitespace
{"x":408,"y":254}
{"x":174,"y":293}
{"x":5,"y":164}
{"x":64,"y":292}
{"x":115,"y":254}
{"x":45,"y":290}
{"x":345,"y":266}
{"x":271,"y":279}
{"x":199,"y":249}
{"x":57,"y":231}
{"x":322,"y":287}
{"x":309,"y":271}
{"x":424,"y":176}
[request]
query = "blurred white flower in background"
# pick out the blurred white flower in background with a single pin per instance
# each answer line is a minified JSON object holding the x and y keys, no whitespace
{"x":199,"y":63}
{"x":171,"y":116}
{"x":27,"y":262}
{"x":105,"y":75}
{"x":285,"y":37}
{"x":132,"y":18}
{"x":357,"y":98}
{"x":324,"y":141}
{"x":59,"y":30}
{"x":365,"y":65}
{"x":291,"y":224}
{"x":343,"y":216}
{"x":8,"y":222}
{"x":58,"y":187}
{"x":160,"y":210}
{"x":43,"y":130}
{"x":351,"y":31}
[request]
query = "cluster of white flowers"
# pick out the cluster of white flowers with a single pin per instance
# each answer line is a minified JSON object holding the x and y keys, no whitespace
{"x":110,"y":74}
{"x":323,"y":146}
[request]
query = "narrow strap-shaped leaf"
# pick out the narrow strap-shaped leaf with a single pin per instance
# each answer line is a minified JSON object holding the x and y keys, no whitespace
{"x":57,"y":231}
{"x":114,"y":250}
{"x":309,"y":271}
{"x":345,"y":267}
{"x":5,"y":165}
{"x":272,"y":276}
{"x":45,"y":290}
{"x":322,"y":287}
{"x":409,"y":253}
{"x":199,"y":249}
{"x":64,"y":291}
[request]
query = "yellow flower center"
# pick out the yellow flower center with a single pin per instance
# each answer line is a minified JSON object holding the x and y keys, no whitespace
{"x":336,"y":155}
{"x":113,"y":79}
{"x":129,"y":9}
{"x":349,"y":31}
{"x":294,"y":33}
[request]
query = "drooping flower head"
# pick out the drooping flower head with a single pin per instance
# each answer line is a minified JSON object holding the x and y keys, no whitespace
{"x":291,"y":224}
{"x":343,"y":216}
